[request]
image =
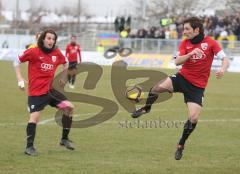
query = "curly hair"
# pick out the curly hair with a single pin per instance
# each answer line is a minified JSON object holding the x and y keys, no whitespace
{"x":43,"y":36}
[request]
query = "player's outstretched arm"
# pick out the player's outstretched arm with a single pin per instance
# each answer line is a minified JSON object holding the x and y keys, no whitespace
{"x":225,"y":64}
{"x":20,"y":79}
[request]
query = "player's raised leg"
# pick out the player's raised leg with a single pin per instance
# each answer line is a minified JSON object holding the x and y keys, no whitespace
{"x":164,"y":85}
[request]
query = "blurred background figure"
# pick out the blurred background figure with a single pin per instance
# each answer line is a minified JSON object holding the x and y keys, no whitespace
{"x":73,"y":54}
{"x":38,"y":34}
{"x":5,"y":44}
{"x":100,"y":48}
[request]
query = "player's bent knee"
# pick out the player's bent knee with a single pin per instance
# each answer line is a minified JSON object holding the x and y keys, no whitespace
{"x":66,"y":106}
{"x":194,"y":117}
{"x":154,"y":89}
{"x":164,"y":85}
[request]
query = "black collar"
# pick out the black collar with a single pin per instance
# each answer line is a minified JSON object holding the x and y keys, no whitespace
{"x":197,"y":39}
{"x":47,"y":50}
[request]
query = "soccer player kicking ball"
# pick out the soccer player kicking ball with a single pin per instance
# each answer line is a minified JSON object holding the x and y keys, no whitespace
{"x":196,"y":55}
{"x":43,"y":61}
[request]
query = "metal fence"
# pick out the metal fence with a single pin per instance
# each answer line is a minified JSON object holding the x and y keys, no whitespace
{"x":89,"y":42}
{"x":170,"y":46}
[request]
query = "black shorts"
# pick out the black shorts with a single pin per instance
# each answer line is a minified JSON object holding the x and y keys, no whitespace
{"x":38,"y":103}
{"x":72,"y":65}
{"x":190,"y":92}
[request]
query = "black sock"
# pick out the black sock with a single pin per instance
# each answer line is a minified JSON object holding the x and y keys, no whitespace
{"x":66,"y":123}
{"x":31,"y":131}
{"x":187,"y":130}
{"x":73,"y":79}
{"x":69,"y":78}
{"x":152,"y":97}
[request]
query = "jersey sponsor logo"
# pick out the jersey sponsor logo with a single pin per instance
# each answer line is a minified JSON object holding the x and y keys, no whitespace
{"x":197,"y":57}
{"x":46,"y":66}
{"x":54,"y":58}
{"x":73,"y":51}
{"x":204,"y":46}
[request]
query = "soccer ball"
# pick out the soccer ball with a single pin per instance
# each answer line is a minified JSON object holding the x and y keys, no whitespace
{"x":134,"y":93}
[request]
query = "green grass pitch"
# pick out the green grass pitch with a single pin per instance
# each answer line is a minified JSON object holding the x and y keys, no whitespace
{"x":110,"y":148}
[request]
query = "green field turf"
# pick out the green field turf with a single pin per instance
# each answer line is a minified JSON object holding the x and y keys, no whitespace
{"x":213,"y":148}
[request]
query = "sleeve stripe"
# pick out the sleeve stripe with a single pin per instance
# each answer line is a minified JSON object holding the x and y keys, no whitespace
{"x":221,"y":55}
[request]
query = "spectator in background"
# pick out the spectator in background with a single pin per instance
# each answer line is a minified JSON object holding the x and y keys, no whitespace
{"x":150,"y":35}
{"x":5,"y":44}
{"x":122,"y":24}
{"x":123,"y":35}
{"x":179,"y":31}
{"x":100,"y":48}
{"x":128,"y":21}
{"x":237,"y":31}
{"x":224,"y":39}
{"x":142,"y":33}
{"x":133,"y":35}
{"x":116,"y":24}
{"x":172,"y":28}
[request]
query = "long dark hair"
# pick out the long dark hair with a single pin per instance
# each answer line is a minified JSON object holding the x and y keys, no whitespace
{"x":195,"y":22}
{"x":42,"y":37}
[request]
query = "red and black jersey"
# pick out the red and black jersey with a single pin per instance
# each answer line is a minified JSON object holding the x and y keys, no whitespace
{"x":41,"y":69}
{"x":197,"y":68}
{"x":73,"y":53}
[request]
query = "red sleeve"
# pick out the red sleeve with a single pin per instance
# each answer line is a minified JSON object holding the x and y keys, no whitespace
{"x":62,"y":59}
{"x":216,"y":47}
{"x":182,"y":48}
{"x":27,"y":55}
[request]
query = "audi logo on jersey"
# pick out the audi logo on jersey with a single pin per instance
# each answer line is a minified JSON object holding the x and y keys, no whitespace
{"x":197,"y":57}
{"x":46,"y":66}
{"x":73,"y":51}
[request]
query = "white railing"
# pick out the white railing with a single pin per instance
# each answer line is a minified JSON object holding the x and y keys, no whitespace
{"x":88,"y":42}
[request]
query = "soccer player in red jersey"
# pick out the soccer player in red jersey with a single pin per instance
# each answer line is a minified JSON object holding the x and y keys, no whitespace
{"x":73,"y":53}
{"x":196,"y":55}
{"x":43,"y":61}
